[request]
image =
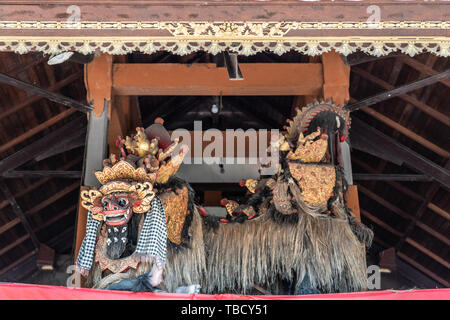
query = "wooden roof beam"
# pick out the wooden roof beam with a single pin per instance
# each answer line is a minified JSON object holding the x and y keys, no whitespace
{"x":420,"y":211}
{"x":53,"y":198}
{"x":423,"y":269}
{"x":36,"y":129}
{"x":39,"y":183}
{"x":40,"y":146}
{"x":410,"y":134}
{"x":17,"y":262}
{"x":19,"y":213}
{"x":205,"y":79}
{"x":36,"y":230}
{"x":404,"y":190}
{"x":409,"y":157}
{"x":50,"y":95}
{"x":384,"y":177}
{"x":422,"y":68}
{"x":402,"y":213}
{"x":14,"y":244}
{"x":401,"y":93}
{"x":41,"y":205}
{"x":71,"y":143}
{"x":34,"y":98}
{"x":401,"y":235}
{"x":382,"y":224}
{"x":30,"y":174}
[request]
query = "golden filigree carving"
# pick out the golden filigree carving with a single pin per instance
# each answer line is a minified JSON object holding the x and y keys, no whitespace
{"x":176,"y":209}
{"x":309,"y":150}
{"x":312,"y":46}
{"x":124,"y":170}
{"x":170,"y":168}
{"x":221,"y":28}
{"x":316,"y":181}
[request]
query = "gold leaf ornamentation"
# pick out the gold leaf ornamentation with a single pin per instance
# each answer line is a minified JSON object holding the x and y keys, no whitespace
{"x":176,"y":209}
{"x":316,"y":181}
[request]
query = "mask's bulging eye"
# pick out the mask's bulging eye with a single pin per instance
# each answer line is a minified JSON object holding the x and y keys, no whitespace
{"x":123,"y":202}
{"x":105,"y":204}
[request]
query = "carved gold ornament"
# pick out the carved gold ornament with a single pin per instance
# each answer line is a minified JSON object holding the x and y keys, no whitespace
{"x":170,"y":168}
{"x":315,"y":181}
{"x":124,"y":170}
{"x":145,"y":195}
{"x":244,"y":38}
{"x":251,"y":184}
{"x":176,"y":210}
{"x":308,"y":150}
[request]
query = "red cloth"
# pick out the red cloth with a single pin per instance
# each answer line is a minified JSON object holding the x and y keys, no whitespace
{"x":14,"y":291}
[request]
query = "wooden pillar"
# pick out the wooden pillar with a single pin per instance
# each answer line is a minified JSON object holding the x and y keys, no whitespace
{"x":336,"y":77}
{"x":352,"y":200}
{"x":98,"y":82}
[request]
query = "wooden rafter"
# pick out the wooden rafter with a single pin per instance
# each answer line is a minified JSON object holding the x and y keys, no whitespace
{"x":34,"y":98}
{"x":423,"y":269}
{"x":381,"y":223}
{"x":76,"y":141}
{"x":39,"y":228}
{"x":43,"y":173}
{"x":53,"y":198}
{"x":437,"y":115}
{"x":420,"y":211}
{"x":400,"y":235}
{"x":56,"y":218}
{"x":36,"y":129}
{"x":34,"y":149}
{"x":14,"y":244}
{"x":404,"y":190}
{"x":411,"y":158}
{"x":50,"y":95}
{"x":399,"y":90}
{"x":19,"y":213}
{"x":395,"y":177}
{"x":408,"y":108}
{"x":39,"y":183}
{"x":428,"y":252}
{"x":17,"y":262}
{"x":410,"y":134}
{"x":402,"y":213}
{"x":422,"y":68}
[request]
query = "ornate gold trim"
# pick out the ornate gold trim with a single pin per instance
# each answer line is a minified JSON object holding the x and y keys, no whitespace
{"x":243,"y":37}
{"x":221,"y":28}
{"x":377,"y":46}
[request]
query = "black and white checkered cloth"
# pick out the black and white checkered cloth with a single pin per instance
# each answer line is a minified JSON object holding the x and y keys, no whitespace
{"x":86,"y":253}
{"x":152,"y":243}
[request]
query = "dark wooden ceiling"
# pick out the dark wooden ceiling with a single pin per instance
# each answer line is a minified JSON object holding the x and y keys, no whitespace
{"x":411,"y":216}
